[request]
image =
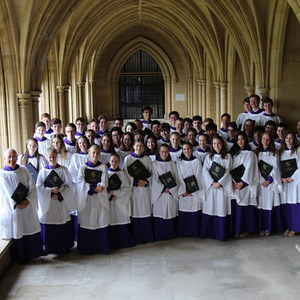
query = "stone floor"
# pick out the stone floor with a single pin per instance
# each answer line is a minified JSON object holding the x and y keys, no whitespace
{"x":185,"y":268}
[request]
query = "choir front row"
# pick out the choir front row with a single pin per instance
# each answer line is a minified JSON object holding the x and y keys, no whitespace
{"x":217,"y":196}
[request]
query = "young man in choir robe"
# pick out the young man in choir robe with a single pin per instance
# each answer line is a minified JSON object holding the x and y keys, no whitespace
{"x":258,"y":132}
{"x":70,"y":140}
{"x":175,"y":148}
{"x":43,"y":142}
{"x":187,"y":124}
{"x":165,"y":134}
{"x":268,"y":114}
{"x":197,"y":124}
{"x":231,"y":130}
{"x":155,"y":128}
{"x":94,"y":125}
{"x":256,"y":112}
{"x":225,"y":119}
{"x":179,"y":129}
{"x":56,"y":127}
{"x":80,"y":127}
{"x":103,"y":125}
{"x":281,"y":132}
{"x":270,"y":127}
{"x":116,"y":135}
{"x":19,"y":220}
{"x":147,"y":114}
{"x":211,"y":130}
{"x":173,"y":116}
{"x":139,"y":124}
{"x":119,"y":122}
{"x":47,"y":120}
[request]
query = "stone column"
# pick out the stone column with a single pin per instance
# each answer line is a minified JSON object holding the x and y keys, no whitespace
{"x":81,"y":98}
{"x":35,"y":95}
{"x":199,"y":92}
{"x":264,"y":91}
{"x":203,"y":97}
{"x":189,"y":96}
{"x":92,"y":98}
{"x":168,"y":97}
{"x":68,"y":110}
{"x":61,"y":104}
{"x":115,"y":96}
{"x":25,"y":114}
{"x":218,"y":103}
{"x":250,"y":89}
{"x":224,"y":104}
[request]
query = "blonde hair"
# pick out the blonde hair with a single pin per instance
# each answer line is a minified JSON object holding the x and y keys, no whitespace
{"x":63,"y":151}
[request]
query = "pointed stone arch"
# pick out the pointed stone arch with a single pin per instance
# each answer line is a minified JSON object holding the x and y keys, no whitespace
{"x":158,"y":54}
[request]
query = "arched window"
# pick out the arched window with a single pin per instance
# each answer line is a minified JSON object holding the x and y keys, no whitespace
{"x":141,"y":83}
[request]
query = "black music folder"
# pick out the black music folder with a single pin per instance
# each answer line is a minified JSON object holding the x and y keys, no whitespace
{"x":237,"y":173}
{"x":92,"y":176}
{"x":216,"y":171}
{"x":53,"y":180}
{"x":20,"y":193}
{"x":191,"y":184}
{"x":114,"y":182}
{"x":138,"y":170}
{"x":265,"y":169}
{"x":288,"y":167}
{"x":167,"y":180}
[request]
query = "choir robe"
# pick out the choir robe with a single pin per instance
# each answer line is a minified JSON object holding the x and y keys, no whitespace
{"x":105,"y":157}
{"x":223,"y":133}
{"x":253,"y":145}
{"x":190,"y":206}
{"x":44,"y":144}
{"x":242,"y":117}
{"x":244,"y":202}
{"x":269,"y":202}
{"x":64,"y":162}
{"x":165,"y":205}
{"x":291,"y":194}
{"x":216,"y":211}
{"x":21,"y":225}
{"x":201,"y":154}
{"x":93,"y":212}
{"x":272,"y":117}
{"x":54,"y":215}
{"x":77,"y":159}
{"x":33,"y":160}
{"x":120,"y":210}
{"x":175,"y":153}
{"x":140,"y":202}
{"x":70,"y":146}
{"x":122,"y":155}
{"x":256,"y":116}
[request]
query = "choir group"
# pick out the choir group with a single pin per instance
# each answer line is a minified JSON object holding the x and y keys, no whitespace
{"x":109,"y":189}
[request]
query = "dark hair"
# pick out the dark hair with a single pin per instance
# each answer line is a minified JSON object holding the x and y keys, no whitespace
{"x":147,"y":107}
{"x":40,"y":124}
{"x":247,"y":99}
{"x":24,"y":159}
{"x":111,"y":146}
{"x":116,"y":129}
{"x":211,"y":126}
{"x":192,"y":130}
{"x":271,"y":123}
{"x":267,"y":100}
{"x":94,"y":120}
{"x":118,"y":118}
{"x":102,"y":117}
{"x":210,"y":120}
{"x":223,"y":149}
{"x":155,"y":122}
{"x":133,"y":126}
{"x":165,"y":127}
{"x":80,"y":119}
{"x":233,"y":125}
{"x":254,"y":96}
{"x":72,"y":125}
{"x":235,"y":149}
{"x":55,"y":121}
{"x":122,"y":146}
{"x":174,"y":112}
{"x":188,"y":120}
{"x":226,"y":115}
{"x":77,"y":149}
{"x":165,"y":146}
{"x":259,"y":129}
{"x":282,"y":125}
{"x":182,"y":156}
{"x":271,"y":146}
{"x":146,"y":149}
{"x":197,"y":118}
{"x":295,"y":145}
